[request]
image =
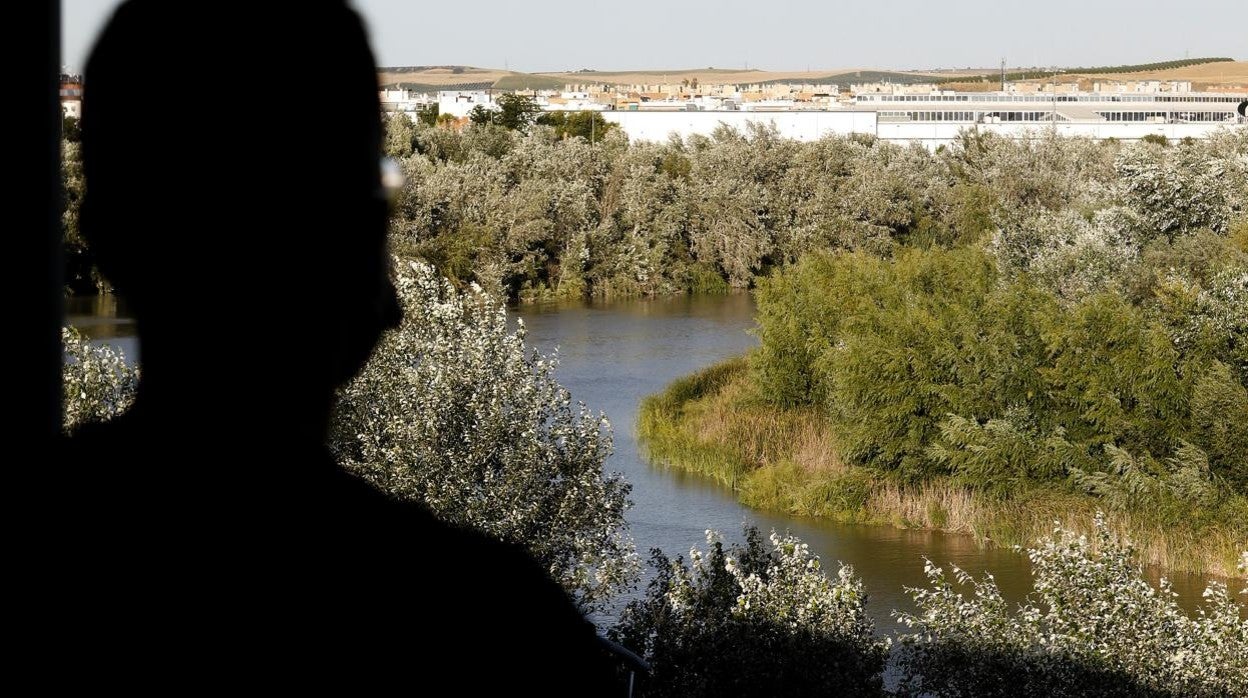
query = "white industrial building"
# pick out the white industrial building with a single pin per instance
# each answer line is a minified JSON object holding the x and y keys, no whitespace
{"x":798,"y":125}
{"x":458,"y":103}
{"x":936,"y":119}
{"x":404,"y":100}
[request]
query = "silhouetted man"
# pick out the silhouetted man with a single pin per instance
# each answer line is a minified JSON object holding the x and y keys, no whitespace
{"x":231,"y":153}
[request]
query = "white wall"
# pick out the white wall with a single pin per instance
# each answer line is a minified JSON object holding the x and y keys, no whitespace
{"x":936,"y":134}
{"x":458,"y":104}
{"x":812,"y":125}
{"x":798,"y":125}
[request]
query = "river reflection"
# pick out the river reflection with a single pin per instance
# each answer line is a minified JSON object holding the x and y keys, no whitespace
{"x":106,"y":319}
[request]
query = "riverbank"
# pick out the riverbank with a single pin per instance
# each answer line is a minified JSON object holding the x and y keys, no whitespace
{"x":785,"y":460}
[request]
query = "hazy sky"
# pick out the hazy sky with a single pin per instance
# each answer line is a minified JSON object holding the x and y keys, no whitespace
{"x":546,"y":35}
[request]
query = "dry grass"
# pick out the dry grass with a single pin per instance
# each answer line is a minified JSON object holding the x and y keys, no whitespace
{"x":1221,"y":72}
{"x":786,"y":460}
{"x":729,"y":76}
{"x":764,"y":436}
{"x":442,"y":76}
{"x":1225,"y":74}
{"x":1022,"y":520}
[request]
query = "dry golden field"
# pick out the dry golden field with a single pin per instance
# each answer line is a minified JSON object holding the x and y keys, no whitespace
{"x":1224,"y":75}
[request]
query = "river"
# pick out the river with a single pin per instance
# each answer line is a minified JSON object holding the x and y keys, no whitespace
{"x":614,"y":354}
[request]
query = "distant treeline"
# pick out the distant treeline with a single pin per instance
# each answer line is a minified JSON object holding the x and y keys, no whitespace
{"x":505,"y":83}
{"x":1096,"y":70}
{"x":844,"y":80}
{"x":421,"y":68}
{"x":427,"y":87}
{"x":539,"y":215}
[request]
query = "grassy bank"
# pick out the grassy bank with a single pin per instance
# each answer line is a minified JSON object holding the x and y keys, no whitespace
{"x":785,"y":460}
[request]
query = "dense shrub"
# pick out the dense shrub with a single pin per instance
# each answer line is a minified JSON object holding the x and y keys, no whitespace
{"x":1093,"y":626}
{"x":763,"y":620}
{"x":97,"y":381}
{"x":649,"y":218}
{"x":454,"y":412}
{"x":1097,"y":340}
{"x":753,"y":620}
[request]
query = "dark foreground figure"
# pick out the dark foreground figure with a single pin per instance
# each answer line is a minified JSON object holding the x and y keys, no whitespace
{"x":212,"y":541}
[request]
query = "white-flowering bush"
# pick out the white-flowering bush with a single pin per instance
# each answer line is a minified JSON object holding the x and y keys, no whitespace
{"x":453,"y":411}
{"x":1045,"y":171}
{"x":1216,"y":314}
{"x":1178,"y":190}
{"x":1065,"y":253}
{"x":754,"y":620}
{"x":1089,"y":261}
{"x":794,"y":591}
{"x":1093,"y":626}
{"x":98,"y":383}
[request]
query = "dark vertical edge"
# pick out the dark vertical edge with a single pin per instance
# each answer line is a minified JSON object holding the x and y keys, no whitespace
{"x":30,"y":266}
{"x":34,"y":268}
{"x":52,"y":295}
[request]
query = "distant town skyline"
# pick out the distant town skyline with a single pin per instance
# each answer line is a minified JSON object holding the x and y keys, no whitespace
{"x":786,"y":35}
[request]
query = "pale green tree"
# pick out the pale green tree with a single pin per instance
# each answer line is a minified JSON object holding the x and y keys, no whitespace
{"x":453,"y":411}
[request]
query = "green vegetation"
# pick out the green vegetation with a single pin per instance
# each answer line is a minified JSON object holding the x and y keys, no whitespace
{"x":453,"y":388}
{"x":550,"y":216}
{"x":1091,"y":627}
{"x":81,"y":275}
{"x":1092,"y":353}
{"x":521,"y":207}
{"x":434,"y":88}
{"x":98,"y":384}
{"x":844,"y":80}
{"x":787,"y":460}
{"x":580,"y":124}
{"x":753,"y":620}
{"x":455,"y":69}
{"x":515,"y":112}
{"x":70,"y":130}
{"x":454,"y":412}
{"x":759,"y":620}
{"x":553,"y":216}
{"x":429,"y":116}
{"x":524,"y":81}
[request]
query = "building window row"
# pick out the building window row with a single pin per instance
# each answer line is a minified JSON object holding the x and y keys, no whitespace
{"x":1185,"y":116}
{"x":927,"y":116}
{"x":1004,"y":116}
{"x":1189,"y":98}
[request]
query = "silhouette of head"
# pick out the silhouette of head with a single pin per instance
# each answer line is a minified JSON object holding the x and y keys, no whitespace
{"x":231,"y":154}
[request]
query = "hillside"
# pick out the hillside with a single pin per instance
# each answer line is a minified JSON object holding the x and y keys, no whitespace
{"x":1214,"y":74}
{"x":426,"y":78}
{"x":1204,"y":76}
{"x":1219,"y":74}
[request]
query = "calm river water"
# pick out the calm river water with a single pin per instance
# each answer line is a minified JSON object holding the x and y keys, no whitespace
{"x":614,"y":354}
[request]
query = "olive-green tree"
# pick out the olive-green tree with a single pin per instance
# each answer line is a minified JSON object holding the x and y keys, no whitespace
{"x":453,"y":411}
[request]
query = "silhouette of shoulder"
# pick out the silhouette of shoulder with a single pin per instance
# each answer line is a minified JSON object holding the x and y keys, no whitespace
{"x":331,"y":576}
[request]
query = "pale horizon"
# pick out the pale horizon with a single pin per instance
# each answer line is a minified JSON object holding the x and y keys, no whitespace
{"x":557,"y":35}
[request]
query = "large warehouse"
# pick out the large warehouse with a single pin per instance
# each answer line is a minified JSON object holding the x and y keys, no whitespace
{"x":936,"y":119}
